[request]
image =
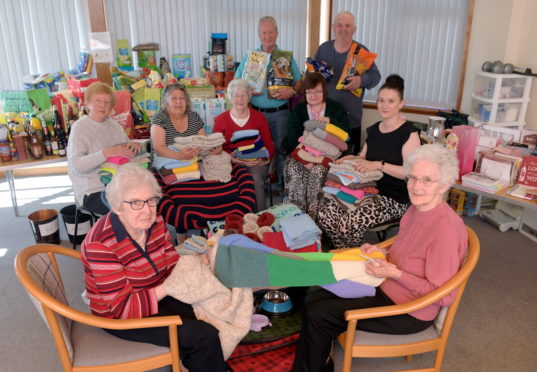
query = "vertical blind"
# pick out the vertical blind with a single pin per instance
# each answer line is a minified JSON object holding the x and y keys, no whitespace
{"x":184,"y":26}
{"x":39,"y":36}
{"x":421,"y":40}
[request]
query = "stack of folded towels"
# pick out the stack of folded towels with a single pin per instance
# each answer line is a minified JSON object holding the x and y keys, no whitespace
{"x":173,"y":170}
{"x":321,"y":143}
{"x":248,"y":145}
{"x":108,"y":169}
{"x":216,"y":167}
{"x":347,"y":186}
{"x":300,"y":231}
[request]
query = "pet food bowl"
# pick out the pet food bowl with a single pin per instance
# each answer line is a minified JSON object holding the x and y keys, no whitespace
{"x":276,"y":302}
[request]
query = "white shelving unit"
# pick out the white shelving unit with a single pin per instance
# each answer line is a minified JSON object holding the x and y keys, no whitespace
{"x":500,"y":99}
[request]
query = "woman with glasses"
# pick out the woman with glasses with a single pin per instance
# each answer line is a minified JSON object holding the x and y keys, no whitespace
{"x":303,"y":182}
{"x":127,"y":256}
{"x":387,"y":145}
{"x":242,"y":117}
{"x":429,"y":249}
{"x":94,"y":138}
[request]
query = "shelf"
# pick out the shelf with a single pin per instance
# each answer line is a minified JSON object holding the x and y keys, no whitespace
{"x":500,"y":100}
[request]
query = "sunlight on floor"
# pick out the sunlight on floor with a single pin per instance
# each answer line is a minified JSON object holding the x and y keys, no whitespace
{"x":45,"y":189}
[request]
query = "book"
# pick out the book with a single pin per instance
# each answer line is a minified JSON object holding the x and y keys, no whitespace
{"x":528,"y":171}
{"x":524,"y":192}
{"x":482,"y":182}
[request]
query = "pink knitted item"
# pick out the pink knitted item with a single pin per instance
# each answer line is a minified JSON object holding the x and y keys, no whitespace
{"x":358,"y":194}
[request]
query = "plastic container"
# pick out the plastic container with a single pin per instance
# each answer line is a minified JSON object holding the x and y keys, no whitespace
{"x":45,"y":226}
{"x":84,"y":223}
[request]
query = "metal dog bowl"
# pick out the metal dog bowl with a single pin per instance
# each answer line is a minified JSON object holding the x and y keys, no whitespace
{"x":276,"y":302}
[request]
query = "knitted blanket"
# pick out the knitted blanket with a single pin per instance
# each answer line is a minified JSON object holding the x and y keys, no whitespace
{"x":229,"y":310}
{"x":217,"y":167}
{"x":241,"y":262}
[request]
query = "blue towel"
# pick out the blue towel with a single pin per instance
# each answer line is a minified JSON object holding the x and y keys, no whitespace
{"x":169,"y":163}
{"x":240,"y":134}
{"x":330,"y":190}
{"x":259,"y":154}
{"x":299,"y":231}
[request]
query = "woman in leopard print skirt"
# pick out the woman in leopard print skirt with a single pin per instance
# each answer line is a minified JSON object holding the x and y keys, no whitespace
{"x":388,"y":143}
{"x":303,"y":182}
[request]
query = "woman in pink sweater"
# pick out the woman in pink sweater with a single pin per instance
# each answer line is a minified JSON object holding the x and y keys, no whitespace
{"x":243,"y":118}
{"x":430,"y":247}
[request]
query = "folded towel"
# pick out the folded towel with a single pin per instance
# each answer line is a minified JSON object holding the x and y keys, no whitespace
{"x":330,"y":190}
{"x":242,"y":134}
{"x":205,"y":143}
{"x":311,"y":125}
{"x":330,"y":138}
{"x":346,"y":197}
{"x":358,"y":194}
{"x":346,"y":178}
{"x":118,"y":159}
{"x":309,"y":139}
{"x":257,"y":145}
{"x":190,"y":168}
{"x":259,"y":154}
{"x":245,"y":142}
{"x":247,"y":147}
{"x":313,"y":151}
{"x":169,"y":163}
{"x":299,"y":231}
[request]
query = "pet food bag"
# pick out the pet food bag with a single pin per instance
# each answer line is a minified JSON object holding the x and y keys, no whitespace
{"x":358,"y":61}
{"x":280,"y":74}
{"x":122,"y":112}
{"x":255,"y":69}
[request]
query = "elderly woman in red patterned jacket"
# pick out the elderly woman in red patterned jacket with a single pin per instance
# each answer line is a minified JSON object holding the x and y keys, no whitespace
{"x":127,"y":256}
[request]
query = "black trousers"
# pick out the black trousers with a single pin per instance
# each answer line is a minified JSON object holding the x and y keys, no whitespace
{"x":324,"y":320}
{"x":354,"y":141}
{"x":96,"y":203}
{"x":199,"y":344}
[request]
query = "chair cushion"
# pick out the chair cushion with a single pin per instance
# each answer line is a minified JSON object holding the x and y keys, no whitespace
{"x":44,"y":275}
{"x":94,"y":346}
{"x":370,"y":338}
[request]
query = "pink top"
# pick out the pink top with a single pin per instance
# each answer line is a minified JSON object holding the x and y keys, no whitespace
{"x":429,"y":250}
{"x":225,"y":125}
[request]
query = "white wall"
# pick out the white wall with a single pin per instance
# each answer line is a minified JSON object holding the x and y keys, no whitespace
{"x":501,"y":30}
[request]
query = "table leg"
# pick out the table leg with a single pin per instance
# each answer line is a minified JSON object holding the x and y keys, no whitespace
{"x":11,"y":182}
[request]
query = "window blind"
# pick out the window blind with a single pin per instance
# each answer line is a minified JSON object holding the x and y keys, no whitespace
{"x":185,"y":26}
{"x":40,"y":36}
{"x":421,"y":40}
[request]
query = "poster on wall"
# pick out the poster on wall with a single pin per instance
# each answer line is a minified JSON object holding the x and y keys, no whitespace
{"x":101,"y":47}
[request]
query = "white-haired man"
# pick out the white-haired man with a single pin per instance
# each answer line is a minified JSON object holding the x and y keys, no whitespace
{"x":335,"y":53}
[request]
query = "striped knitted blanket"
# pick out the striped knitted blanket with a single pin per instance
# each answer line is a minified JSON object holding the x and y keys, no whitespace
{"x":242,"y":263}
{"x":190,"y":204}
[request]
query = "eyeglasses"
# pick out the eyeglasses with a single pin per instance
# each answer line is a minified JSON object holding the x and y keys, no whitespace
{"x":311,"y":92}
{"x":136,"y":205}
{"x":425,"y":181}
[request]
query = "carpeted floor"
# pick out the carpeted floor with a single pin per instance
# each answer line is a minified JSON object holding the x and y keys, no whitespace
{"x":495,"y":329}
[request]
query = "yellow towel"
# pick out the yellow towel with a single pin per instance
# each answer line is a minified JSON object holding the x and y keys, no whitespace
{"x":191,"y":168}
{"x":247,"y":147}
{"x":338,"y":132}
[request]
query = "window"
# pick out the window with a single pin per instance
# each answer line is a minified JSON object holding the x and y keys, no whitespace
{"x":40,"y":36}
{"x":185,"y":26}
{"x":421,"y":40}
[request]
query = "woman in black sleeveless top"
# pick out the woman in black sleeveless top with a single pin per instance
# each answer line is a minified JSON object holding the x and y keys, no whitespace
{"x":387,"y":145}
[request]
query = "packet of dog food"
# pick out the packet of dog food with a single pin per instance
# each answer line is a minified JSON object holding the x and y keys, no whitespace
{"x":358,"y":61}
{"x":255,"y":69}
{"x":280,"y":74}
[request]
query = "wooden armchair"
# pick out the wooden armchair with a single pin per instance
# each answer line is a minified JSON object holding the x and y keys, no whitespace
{"x":81,"y":343}
{"x":357,"y":343}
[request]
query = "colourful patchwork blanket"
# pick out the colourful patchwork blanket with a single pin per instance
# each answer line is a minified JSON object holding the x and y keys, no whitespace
{"x":240,"y":262}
